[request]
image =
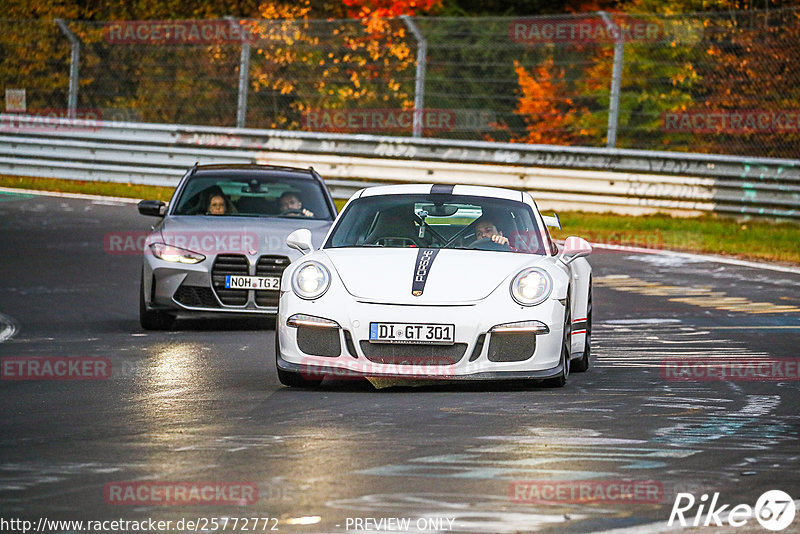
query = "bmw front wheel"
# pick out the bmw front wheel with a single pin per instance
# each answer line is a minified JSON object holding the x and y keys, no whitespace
{"x":152,"y":319}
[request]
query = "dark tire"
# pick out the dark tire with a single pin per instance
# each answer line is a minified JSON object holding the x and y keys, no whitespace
{"x":581,"y":365}
{"x":560,"y":380}
{"x":153,"y":319}
{"x":290,"y":378}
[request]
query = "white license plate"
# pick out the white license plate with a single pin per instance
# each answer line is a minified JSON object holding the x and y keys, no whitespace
{"x":434,"y":334}
{"x":261,"y":283}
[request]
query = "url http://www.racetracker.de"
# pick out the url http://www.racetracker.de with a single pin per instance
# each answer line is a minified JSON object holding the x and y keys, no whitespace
{"x":197,"y":524}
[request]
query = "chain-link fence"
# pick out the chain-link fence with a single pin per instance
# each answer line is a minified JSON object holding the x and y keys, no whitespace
{"x":712,"y":82}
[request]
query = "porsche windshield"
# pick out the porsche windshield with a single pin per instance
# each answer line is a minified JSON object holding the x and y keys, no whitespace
{"x":248,"y":194}
{"x":464,"y":222}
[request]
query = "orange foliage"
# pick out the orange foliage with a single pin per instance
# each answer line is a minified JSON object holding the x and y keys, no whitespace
{"x":351,"y":67}
{"x":542,"y":104}
{"x":376,"y":9}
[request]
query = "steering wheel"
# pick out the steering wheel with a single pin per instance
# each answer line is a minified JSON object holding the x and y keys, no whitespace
{"x":293,"y":212}
{"x":486,"y":243}
{"x":401,"y":240}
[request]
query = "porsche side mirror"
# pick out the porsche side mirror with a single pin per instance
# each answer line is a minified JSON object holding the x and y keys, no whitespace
{"x":574,"y":248}
{"x":300,"y":240}
{"x":154,"y":208}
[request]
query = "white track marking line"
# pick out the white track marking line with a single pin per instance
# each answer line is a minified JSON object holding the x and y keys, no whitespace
{"x":702,"y":257}
{"x":81,"y":196}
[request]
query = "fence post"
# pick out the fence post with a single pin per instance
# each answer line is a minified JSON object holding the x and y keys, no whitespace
{"x":419,"y":86}
{"x":616,"y":79}
{"x":74,"y":62}
{"x":244,"y":78}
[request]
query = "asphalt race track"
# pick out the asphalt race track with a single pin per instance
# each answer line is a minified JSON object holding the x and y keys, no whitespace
{"x":202,"y":404}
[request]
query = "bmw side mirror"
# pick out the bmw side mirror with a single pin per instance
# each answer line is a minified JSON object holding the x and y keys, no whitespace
{"x":300,"y":240}
{"x":153,"y":208}
{"x":574,"y":248}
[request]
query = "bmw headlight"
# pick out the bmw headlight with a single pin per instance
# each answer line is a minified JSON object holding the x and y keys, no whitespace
{"x":175,"y":254}
{"x":531,"y":286}
{"x":311,"y":280}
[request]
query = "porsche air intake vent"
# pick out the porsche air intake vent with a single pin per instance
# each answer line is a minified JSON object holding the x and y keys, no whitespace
{"x":319,"y":341}
{"x":511,"y":347}
{"x":413,"y":354}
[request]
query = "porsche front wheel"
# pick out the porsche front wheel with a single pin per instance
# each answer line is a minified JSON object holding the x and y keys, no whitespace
{"x":566,"y":342}
{"x":581,"y":365}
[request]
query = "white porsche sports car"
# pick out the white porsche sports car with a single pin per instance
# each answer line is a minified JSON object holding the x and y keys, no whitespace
{"x":435,"y":281}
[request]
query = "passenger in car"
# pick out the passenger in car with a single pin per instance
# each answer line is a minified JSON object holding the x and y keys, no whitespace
{"x":216,"y":205}
{"x":395,"y":227}
{"x":212,"y":201}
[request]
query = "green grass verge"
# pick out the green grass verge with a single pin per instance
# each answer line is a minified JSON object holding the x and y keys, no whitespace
{"x":754,"y":239}
{"x":750,"y":239}
{"x":89,"y":187}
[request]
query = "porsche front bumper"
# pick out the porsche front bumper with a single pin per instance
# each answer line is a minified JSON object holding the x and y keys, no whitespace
{"x":343,"y":349}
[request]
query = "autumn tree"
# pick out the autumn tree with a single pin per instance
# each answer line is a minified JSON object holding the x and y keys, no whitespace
{"x":309,"y":64}
{"x":747,"y":63}
{"x":735,"y":57}
{"x":548,"y":111}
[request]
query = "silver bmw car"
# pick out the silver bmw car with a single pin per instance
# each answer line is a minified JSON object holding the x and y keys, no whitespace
{"x":220,"y":246}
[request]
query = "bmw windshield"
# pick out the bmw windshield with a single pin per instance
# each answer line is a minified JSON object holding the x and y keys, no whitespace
{"x":250,"y":194}
{"x":429,"y":221}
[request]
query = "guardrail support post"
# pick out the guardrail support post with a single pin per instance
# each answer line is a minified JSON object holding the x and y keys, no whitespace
{"x":616,"y":80}
{"x":244,"y":78}
{"x":74,"y":62}
{"x":419,"y":86}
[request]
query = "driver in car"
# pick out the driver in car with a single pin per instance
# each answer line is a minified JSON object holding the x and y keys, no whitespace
{"x":290,"y":204}
{"x":486,"y":229}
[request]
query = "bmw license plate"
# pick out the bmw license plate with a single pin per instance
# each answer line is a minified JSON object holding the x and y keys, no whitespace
{"x":261,"y":283}
{"x":433,"y":334}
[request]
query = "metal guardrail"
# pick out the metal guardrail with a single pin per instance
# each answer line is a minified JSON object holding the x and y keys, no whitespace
{"x":574,"y":177}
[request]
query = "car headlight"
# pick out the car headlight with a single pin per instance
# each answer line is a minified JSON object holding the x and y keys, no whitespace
{"x":166,"y":252}
{"x":531,"y":286}
{"x":311,"y":280}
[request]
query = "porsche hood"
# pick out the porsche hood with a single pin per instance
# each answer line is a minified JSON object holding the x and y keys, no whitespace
{"x":424,"y":276}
